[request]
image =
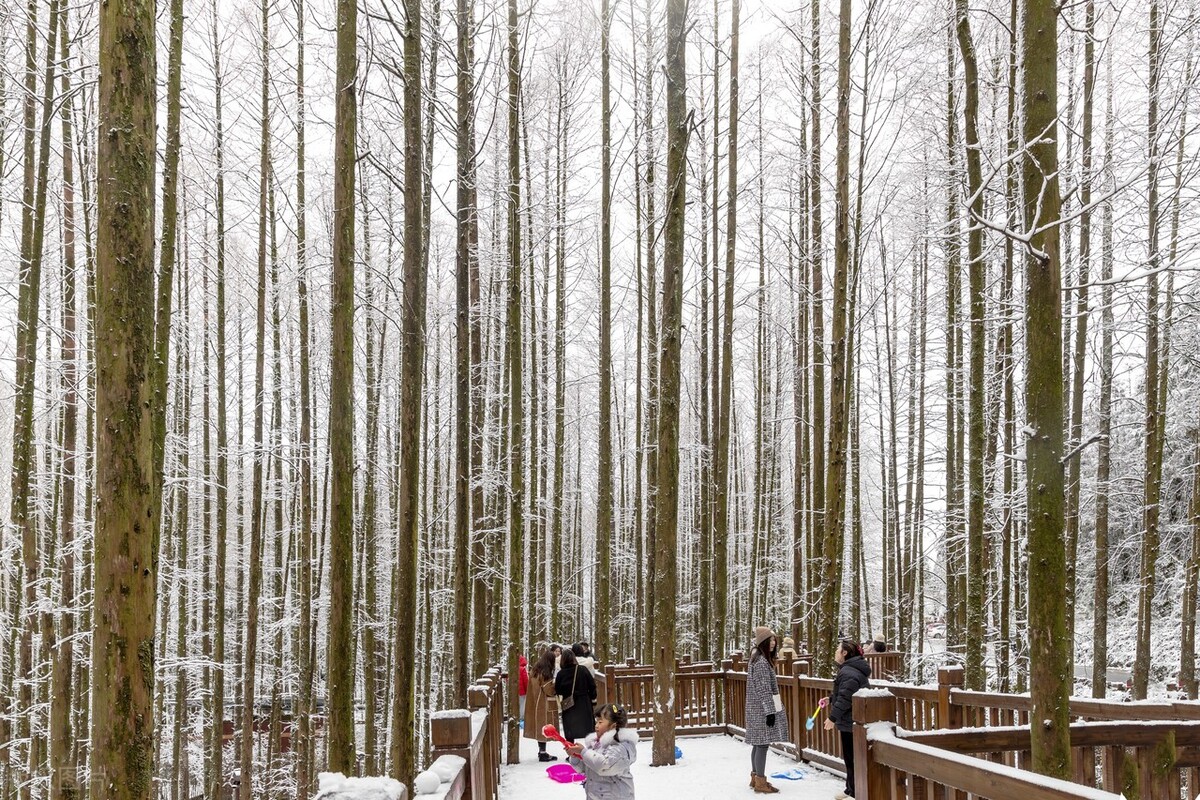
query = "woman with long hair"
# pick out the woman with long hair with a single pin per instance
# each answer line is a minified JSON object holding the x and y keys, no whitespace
{"x":541,"y":704}
{"x":766,"y":721}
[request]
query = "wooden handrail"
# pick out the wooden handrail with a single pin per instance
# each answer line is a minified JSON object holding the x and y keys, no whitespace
{"x":475,"y":736}
{"x":1083,"y":734}
{"x":983,"y":779}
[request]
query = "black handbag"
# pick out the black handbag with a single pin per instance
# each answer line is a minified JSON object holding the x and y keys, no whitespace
{"x":568,"y":702}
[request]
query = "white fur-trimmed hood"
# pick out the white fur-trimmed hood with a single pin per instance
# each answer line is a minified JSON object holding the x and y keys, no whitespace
{"x":628,"y":735}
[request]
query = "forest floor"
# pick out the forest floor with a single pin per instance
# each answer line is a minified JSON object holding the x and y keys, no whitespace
{"x":712,"y":768}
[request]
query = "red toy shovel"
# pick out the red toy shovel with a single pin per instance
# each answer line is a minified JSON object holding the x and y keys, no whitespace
{"x":553,"y":733}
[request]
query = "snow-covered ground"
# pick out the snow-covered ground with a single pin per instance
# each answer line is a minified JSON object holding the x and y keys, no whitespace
{"x":712,"y":768}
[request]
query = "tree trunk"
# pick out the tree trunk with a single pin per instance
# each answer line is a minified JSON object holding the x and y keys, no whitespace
{"x":1050,"y":661}
{"x":722,"y":473}
{"x":839,"y":398}
{"x":304,"y":593}
{"x":340,"y":660}
{"x":412,"y":363}
{"x":122,"y":736}
{"x":216,"y":782}
{"x":604,"y":496}
{"x":516,"y":409}
{"x":63,"y":779}
{"x":1155,"y":405}
{"x":254,"y":564}
{"x":1104,"y":451}
{"x":466,"y":244}
{"x":817,"y":320}
{"x":976,"y":677}
{"x":667,"y":497}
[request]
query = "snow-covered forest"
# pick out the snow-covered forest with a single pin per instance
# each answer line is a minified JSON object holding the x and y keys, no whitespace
{"x":348,"y":349}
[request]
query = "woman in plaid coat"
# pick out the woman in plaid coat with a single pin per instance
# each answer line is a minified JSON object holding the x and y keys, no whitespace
{"x":766,"y":721}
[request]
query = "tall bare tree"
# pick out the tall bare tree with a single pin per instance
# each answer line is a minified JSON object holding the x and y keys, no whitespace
{"x":516,"y":381}
{"x":122,"y":736}
{"x":604,"y":454}
{"x":667,"y":498}
{"x":1155,"y":407}
{"x":412,"y":366}
{"x":975,"y":676}
{"x":1050,"y":661}
{"x":839,"y":398}
{"x":465,"y":399}
{"x":340,"y":649}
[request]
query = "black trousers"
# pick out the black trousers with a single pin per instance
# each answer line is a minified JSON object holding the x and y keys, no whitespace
{"x":848,"y":757}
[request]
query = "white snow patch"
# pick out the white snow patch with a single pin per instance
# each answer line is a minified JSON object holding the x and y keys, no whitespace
{"x":874,"y":693}
{"x":454,"y":713}
{"x":336,"y":786}
{"x":447,"y":767}
{"x":712,"y":768}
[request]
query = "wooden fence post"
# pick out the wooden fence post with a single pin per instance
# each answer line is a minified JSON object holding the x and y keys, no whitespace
{"x":871,"y":779}
{"x":800,"y":671}
{"x":949,"y":715}
{"x":450,"y":734}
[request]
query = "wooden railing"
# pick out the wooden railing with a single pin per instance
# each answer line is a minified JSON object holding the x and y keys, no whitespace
{"x":698,"y":696}
{"x":1155,"y":760}
{"x":468,"y":742}
{"x":938,"y":741}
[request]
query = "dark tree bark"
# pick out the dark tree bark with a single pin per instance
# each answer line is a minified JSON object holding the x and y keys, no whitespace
{"x":1050,"y":661}
{"x":839,"y":398}
{"x":976,"y":677}
{"x":1155,"y":406}
{"x":604,"y":455}
{"x":122,"y":736}
{"x":667,"y":497}
{"x":340,"y":648}
{"x":467,"y":241}
{"x":412,"y":365}
{"x":516,"y":381}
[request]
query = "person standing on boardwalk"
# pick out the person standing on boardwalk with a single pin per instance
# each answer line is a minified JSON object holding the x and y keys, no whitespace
{"x":577,"y":697}
{"x":541,"y":703}
{"x":766,"y":722}
{"x":854,"y":673}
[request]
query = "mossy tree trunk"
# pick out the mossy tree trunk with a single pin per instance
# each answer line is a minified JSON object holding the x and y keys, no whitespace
{"x":516,"y":382}
{"x":412,"y":335}
{"x":1050,"y":662}
{"x":667,"y":498}
{"x":976,"y":677}
{"x":340,"y":647}
{"x":1155,"y":406}
{"x":122,"y":735}
{"x":833,"y":533}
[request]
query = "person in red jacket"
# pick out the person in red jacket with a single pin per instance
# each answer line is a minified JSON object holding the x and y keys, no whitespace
{"x":522,"y":682}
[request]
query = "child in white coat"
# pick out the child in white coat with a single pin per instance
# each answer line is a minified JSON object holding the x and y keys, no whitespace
{"x":606,"y":756}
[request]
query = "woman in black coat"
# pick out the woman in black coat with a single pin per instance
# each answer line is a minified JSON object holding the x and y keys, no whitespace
{"x":575,"y":681}
{"x":854,"y":673}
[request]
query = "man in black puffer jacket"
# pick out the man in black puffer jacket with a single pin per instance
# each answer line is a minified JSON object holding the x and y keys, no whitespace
{"x":854,"y":673}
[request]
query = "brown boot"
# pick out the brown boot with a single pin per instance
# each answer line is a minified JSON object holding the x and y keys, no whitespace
{"x":752,"y":776}
{"x":762,"y":786}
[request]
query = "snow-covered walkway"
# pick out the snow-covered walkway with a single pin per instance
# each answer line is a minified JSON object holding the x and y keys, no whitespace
{"x":712,"y":768}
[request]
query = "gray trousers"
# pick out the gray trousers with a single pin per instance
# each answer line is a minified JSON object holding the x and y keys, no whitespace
{"x":758,"y":759}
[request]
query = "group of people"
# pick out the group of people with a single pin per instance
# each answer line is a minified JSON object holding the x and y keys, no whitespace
{"x":562,"y":683}
{"x":561,"y":688}
{"x":766,"y":721}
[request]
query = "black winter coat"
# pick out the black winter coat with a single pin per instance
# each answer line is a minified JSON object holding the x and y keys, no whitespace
{"x":578,"y":721}
{"x":854,"y":674}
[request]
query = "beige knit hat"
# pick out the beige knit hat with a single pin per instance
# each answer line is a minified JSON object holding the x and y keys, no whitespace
{"x":761,"y":634}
